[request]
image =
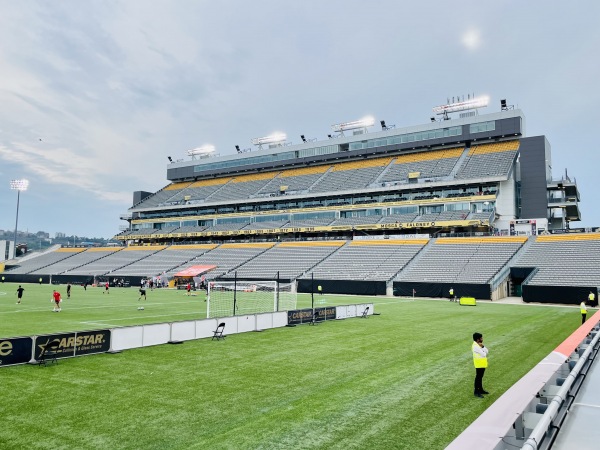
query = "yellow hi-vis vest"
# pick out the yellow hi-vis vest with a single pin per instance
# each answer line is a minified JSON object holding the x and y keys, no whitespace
{"x":583,"y":308}
{"x":478,"y":360}
{"x":591,"y":297}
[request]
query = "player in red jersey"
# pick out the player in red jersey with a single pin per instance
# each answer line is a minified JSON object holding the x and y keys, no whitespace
{"x":56,"y":299}
{"x":106,"y":288}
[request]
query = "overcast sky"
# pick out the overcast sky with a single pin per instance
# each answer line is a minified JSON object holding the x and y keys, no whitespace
{"x":95,"y":95}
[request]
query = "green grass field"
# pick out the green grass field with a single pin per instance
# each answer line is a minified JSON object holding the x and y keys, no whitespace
{"x":401,"y":380}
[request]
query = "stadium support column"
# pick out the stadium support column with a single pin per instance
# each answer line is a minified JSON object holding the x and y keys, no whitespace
{"x":234,"y":292}
{"x":277,"y":293}
{"x":18,"y":185}
{"x":312,"y":292}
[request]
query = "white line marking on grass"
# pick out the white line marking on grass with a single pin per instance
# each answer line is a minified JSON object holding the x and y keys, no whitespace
{"x":102,"y":324}
{"x":121,"y":306}
{"x":2,"y":293}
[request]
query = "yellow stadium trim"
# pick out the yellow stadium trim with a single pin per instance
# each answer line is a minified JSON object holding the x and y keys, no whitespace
{"x":304,"y":171}
{"x":429,"y":156}
{"x":70,"y":250}
{"x":569,"y":237}
{"x":362,"y":164}
{"x":104,"y":249}
{"x":361,"y":243}
{"x":192,"y":247}
{"x":255,"y":245}
{"x":312,"y":244}
{"x":211,"y":182}
{"x":483,"y":240}
{"x":175,"y":186}
{"x":494,"y":148}
{"x":145,"y":248}
{"x":254,"y":177}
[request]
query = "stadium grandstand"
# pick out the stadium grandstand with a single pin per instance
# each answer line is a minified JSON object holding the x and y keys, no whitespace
{"x":465,"y":202}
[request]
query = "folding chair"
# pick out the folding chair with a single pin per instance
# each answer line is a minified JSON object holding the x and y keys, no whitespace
{"x":365,"y":313}
{"x":48,"y":353}
{"x":315,"y":318}
{"x":218,"y":333}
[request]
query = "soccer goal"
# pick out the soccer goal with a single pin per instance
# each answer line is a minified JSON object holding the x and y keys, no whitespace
{"x":236,"y":298}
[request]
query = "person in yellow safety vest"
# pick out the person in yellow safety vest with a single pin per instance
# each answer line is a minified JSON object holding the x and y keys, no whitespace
{"x":583,"y":310}
{"x":451,"y":292}
{"x":480,"y":361}
{"x":320,"y":289}
{"x":591,"y":298}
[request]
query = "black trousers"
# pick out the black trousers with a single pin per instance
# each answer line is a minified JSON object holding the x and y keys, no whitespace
{"x":583,"y":316}
{"x":479,"y":380}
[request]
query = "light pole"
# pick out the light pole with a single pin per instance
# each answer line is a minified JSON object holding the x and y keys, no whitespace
{"x":18,"y":185}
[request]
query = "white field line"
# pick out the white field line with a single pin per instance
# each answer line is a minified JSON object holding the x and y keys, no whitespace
{"x":79,"y":308}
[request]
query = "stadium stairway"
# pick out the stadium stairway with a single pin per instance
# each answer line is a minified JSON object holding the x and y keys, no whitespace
{"x":503,"y":273}
{"x":75,"y":252}
{"x":137,"y":260}
{"x":186,"y":262}
{"x":414,"y":260}
{"x":311,"y":269}
{"x":244,"y":262}
{"x":460,"y":162}
{"x":318,"y":180}
{"x":89,"y":262}
{"x":378,"y":181}
{"x":207,"y":199}
{"x":32,"y":255}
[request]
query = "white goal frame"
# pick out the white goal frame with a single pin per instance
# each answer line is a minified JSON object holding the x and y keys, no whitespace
{"x":233,"y":298}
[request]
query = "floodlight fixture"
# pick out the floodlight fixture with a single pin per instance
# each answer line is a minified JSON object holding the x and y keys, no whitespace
{"x":503,"y":103}
{"x":474,"y":103}
{"x":275,"y":138}
{"x":205,"y":150}
{"x":18,"y":185}
{"x":354,"y":125}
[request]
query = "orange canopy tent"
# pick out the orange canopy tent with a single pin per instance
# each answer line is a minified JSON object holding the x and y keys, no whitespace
{"x":194,"y":271}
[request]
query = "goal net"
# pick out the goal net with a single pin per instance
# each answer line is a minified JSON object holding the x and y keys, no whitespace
{"x":229,"y":298}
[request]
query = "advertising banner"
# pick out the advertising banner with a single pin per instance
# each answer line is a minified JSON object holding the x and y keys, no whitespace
{"x":15,"y":350}
{"x":300,"y":316}
{"x":75,"y":344}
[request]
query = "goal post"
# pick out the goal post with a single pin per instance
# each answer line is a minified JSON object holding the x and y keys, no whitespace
{"x":236,"y":298}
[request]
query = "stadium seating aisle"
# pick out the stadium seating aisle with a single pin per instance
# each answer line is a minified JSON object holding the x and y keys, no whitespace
{"x":77,"y":260}
{"x":489,"y":160}
{"x":226,"y":257}
{"x":160,"y":262}
{"x":116,"y":260}
{"x":564,"y":260}
{"x":36,"y":265}
{"x":368,"y":260}
{"x":463,"y":260}
{"x":290,"y":259}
